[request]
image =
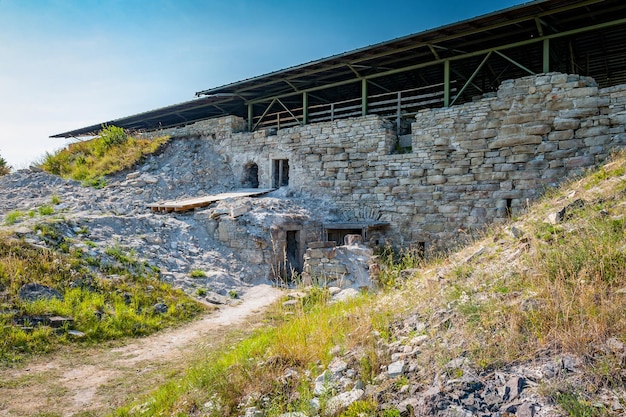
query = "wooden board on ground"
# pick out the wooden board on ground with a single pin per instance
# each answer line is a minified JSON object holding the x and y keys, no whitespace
{"x":198,"y":202}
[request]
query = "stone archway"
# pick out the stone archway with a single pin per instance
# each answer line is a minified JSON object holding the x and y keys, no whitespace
{"x":250,"y":175}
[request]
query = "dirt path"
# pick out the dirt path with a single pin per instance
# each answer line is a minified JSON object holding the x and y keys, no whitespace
{"x":94,"y":381}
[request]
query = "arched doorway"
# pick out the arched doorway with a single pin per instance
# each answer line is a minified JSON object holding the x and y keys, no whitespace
{"x":250,"y":175}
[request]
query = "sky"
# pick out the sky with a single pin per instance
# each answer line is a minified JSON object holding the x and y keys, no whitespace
{"x":67,"y":64}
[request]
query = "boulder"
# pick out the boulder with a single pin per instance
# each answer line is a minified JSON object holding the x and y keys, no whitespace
{"x":33,"y":292}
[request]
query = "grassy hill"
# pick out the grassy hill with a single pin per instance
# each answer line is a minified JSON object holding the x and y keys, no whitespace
{"x":113,"y":150}
{"x":78,"y":298}
{"x":548,"y":287}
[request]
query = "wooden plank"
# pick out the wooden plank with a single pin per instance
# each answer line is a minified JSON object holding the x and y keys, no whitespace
{"x":197,"y":202}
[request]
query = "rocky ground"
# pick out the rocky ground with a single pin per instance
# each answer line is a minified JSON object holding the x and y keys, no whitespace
{"x":117,"y":215}
{"x":178,"y":243}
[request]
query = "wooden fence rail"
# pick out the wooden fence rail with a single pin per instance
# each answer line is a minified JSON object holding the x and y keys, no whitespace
{"x":395,"y":106}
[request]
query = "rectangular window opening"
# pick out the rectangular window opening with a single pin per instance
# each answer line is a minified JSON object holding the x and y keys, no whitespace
{"x":339,"y":235}
{"x":280,"y":171}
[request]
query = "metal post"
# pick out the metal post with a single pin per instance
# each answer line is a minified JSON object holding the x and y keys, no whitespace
{"x":305,"y":108}
{"x":399,"y":112}
{"x":546,"y":55}
{"x":364,"y":97}
{"x":250,"y":116}
{"x":446,"y":83}
{"x":332,"y":112}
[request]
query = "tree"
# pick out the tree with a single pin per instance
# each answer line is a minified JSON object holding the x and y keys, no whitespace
{"x":4,"y":166}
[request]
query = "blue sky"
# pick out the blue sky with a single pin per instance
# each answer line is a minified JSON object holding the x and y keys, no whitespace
{"x":65,"y":64}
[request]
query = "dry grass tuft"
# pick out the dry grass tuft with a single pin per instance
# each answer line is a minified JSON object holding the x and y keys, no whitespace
{"x":112,"y":151}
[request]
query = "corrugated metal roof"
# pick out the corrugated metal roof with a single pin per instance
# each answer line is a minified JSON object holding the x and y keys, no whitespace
{"x":585,"y":36}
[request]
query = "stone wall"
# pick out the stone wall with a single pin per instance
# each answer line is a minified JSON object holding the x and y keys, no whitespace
{"x":468,"y":165}
{"x":352,"y":265}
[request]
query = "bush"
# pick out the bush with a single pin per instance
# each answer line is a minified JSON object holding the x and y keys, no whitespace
{"x":4,"y":166}
{"x":110,"y":136}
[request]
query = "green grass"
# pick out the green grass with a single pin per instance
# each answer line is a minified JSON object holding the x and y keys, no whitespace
{"x":89,"y":161}
{"x":197,"y":273}
{"x":101,"y":308}
{"x":45,"y":210}
{"x":576,"y":407}
{"x":13,"y":217}
{"x":253,"y":368}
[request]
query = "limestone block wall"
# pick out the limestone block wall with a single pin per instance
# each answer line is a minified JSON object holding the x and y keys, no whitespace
{"x":343,"y":266}
{"x":469,"y":165}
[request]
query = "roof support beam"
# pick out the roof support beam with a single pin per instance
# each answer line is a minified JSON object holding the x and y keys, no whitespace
{"x":364,"y":97}
{"x":446,"y":83}
{"x":514,"y":62}
{"x":434,"y":51}
{"x":250,"y":116}
{"x":265,"y":113}
{"x":291,"y":85}
{"x":469,"y":81}
{"x":289,"y":111}
{"x":546,"y":55}
{"x":305,"y":108}
{"x":539,"y":26}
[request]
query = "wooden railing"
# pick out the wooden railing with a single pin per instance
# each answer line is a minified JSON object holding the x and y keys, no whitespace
{"x":395,"y":106}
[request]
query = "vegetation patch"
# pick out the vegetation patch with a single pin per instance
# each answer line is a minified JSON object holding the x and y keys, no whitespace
{"x":96,"y":301}
{"x":89,"y":161}
{"x":4,"y":167}
{"x":297,"y":340}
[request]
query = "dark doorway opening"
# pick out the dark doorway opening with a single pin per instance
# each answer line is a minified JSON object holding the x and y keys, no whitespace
{"x":292,"y":253}
{"x":509,"y":207}
{"x":339,"y":235}
{"x":250,"y":175}
{"x":280,"y":171}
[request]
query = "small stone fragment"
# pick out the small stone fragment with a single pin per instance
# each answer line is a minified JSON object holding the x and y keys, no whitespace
{"x":396,"y":368}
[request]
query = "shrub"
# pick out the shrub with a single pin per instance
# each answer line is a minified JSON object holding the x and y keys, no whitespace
{"x":4,"y":166}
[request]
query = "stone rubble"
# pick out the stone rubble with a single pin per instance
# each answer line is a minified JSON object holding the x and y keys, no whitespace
{"x":457,"y":390}
{"x":229,"y":241}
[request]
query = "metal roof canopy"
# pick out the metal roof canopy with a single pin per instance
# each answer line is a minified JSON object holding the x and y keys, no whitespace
{"x":447,"y":65}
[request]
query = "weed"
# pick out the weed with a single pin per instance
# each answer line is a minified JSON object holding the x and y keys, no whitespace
{"x":360,"y":408}
{"x":45,"y":210}
{"x":400,"y":382}
{"x":118,"y":253}
{"x":55,"y":199}
{"x":233,"y":294}
{"x":575,"y":407}
{"x":197,"y":273}
{"x":201,"y":292}
{"x":13,"y":217}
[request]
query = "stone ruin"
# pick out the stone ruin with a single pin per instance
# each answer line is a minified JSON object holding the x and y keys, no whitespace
{"x":460,"y":169}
